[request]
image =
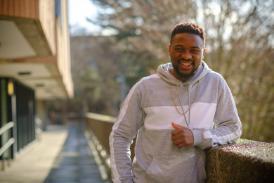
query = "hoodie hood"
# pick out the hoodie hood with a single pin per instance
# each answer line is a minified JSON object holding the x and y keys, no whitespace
{"x":163,"y":72}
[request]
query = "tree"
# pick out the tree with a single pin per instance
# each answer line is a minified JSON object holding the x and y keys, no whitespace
{"x":94,"y":74}
{"x":239,"y":41}
{"x":241,"y":48}
{"x":144,"y":24}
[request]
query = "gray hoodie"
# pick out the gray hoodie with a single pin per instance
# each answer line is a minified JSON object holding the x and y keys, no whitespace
{"x":204,"y":104}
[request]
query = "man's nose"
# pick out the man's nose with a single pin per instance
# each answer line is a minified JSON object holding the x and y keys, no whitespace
{"x":186,"y":55}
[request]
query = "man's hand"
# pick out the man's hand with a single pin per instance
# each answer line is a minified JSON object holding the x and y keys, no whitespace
{"x":181,"y":136}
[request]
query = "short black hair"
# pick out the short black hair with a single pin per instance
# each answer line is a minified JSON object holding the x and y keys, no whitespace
{"x":188,"y":27}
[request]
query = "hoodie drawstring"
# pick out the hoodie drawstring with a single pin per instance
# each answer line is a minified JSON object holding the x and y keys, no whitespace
{"x":189,"y":106}
{"x":189,"y":103}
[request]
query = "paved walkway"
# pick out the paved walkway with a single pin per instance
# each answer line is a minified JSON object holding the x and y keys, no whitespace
{"x":33,"y":164}
{"x":62,"y":155}
{"x":75,"y":164}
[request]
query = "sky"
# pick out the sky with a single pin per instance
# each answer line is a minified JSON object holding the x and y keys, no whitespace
{"x":79,"y":10}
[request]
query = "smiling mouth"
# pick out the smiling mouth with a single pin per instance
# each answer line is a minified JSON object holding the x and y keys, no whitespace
{"x":186,"y":66}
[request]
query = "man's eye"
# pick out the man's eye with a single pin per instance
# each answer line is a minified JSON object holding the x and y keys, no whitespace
{"x":179,"y":49}
{"x":195,"y":50}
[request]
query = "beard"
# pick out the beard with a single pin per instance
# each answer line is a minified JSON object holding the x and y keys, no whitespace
{"x":183,"y":75}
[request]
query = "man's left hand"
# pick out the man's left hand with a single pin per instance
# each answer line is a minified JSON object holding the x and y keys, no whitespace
{"x":181,"y":136}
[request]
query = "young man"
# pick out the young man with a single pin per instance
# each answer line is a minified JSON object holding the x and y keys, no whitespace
{"x":176,"y":114}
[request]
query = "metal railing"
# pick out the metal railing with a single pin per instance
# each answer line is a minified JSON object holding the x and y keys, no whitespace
{"x":9,"y":143}
{"x":99,"y":127}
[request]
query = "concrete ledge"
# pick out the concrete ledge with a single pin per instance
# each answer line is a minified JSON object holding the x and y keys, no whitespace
{"x":244,"y":162}
{"x":247,"y":161}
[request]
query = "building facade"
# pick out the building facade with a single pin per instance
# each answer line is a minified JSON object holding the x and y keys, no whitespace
{"x":34,"y":66}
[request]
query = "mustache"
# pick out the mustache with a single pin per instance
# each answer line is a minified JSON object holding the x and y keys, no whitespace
{"x":185,"y":60}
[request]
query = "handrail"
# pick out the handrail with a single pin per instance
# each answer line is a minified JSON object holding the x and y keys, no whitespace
{"x":11,"y":140}
{"x":99,"y":127}
{"x":7,"y":146}
{"x":6,"y":127}
{"x":101,"y":117}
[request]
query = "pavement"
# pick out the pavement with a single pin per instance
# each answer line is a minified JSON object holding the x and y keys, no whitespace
{"x":60,"y":155}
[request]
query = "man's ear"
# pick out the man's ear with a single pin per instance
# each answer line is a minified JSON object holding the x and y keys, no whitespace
{"x":168,"y":48}
{"x":205,"y":50}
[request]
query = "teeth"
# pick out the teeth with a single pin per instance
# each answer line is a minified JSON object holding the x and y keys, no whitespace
{"x":186,"y":64}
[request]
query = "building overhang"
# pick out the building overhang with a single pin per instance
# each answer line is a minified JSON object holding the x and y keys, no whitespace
{"x":29,"y":51}
{"x":39,"y":73}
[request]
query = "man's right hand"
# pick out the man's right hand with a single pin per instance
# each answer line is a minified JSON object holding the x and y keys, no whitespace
{"x":181,"y":136}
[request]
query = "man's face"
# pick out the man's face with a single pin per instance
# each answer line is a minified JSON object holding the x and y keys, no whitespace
{"x":186,"y":52}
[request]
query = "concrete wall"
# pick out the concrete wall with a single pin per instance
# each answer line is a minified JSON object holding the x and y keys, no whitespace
{"x":244,"y":162}
{"x":47,"y":19}
{"x":63,"y":48}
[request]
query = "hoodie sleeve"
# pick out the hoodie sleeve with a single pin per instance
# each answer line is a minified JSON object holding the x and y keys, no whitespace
{"x":130,"y":119}
{"x":227,"y":125}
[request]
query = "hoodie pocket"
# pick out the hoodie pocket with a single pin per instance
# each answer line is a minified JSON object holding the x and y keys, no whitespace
{"x":179,"y":168}
{"x":155,"y":172}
